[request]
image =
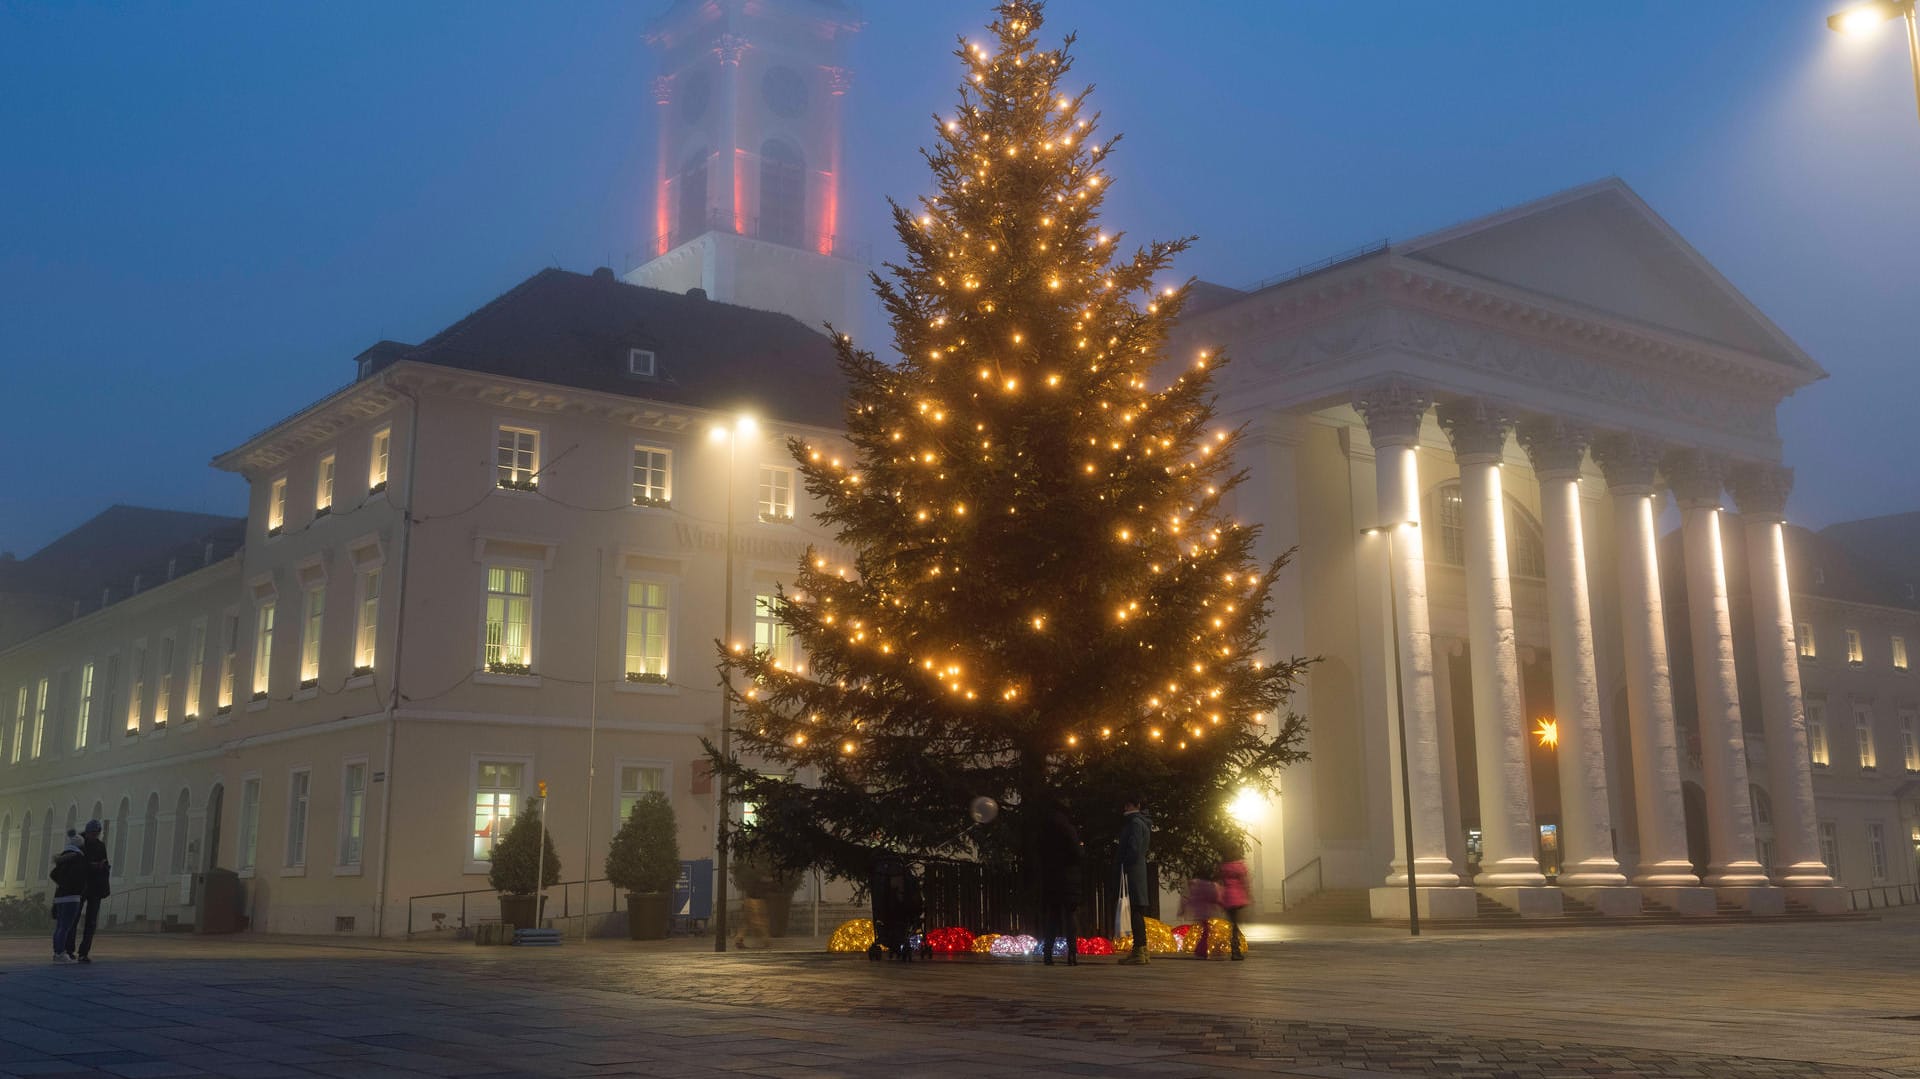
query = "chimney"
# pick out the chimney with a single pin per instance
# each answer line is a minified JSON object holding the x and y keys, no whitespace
{"x":697,"y":293}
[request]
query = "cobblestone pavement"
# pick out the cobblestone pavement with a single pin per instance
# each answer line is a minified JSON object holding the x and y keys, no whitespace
{"x":1825,"y":999}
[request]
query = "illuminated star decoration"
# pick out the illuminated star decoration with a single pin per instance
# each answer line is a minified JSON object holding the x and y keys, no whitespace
{"x":1548,"y":732}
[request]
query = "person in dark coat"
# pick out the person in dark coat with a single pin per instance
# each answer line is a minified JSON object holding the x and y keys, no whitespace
{"x":69,"y":878}
{"x":99,"y":885}
{"x":1135,"y":833}
{"x":1061,"y":855}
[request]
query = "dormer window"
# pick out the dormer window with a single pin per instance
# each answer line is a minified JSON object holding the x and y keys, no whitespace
{"x":1820,"y":576}
{"x":640,"y":362}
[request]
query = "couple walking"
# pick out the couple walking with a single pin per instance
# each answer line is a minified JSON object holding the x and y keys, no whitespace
{"x":80,"y":878}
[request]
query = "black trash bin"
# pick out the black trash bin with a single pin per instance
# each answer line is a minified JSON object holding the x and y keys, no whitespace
{"x":219,"y":902}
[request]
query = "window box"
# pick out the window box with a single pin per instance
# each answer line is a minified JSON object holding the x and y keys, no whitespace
{"x":274,"y":531}
{"x":377,"y":488}
{"x":652,"y":503}
{"x":362,"y":670}
{"x":517,"y":670}
{"x":322,"y":512}
{"x":519,"y":485}
{"x":159,"y":724}
{"x":776,"y":518}
{"x":259,"y":694}
{"x":191,"y":717}
{"x":309,"y":683}
{"x":646,"y":678}
{"x":223,"y":710}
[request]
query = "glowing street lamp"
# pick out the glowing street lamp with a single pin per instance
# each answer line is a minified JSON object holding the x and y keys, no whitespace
{"x":1866,"y":18}
{"x":744,"y":427}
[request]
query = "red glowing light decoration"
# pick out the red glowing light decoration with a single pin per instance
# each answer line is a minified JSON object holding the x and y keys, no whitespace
{"x":950,"y":940}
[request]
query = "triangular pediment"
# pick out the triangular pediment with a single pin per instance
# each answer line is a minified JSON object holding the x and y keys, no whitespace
{"x":1601,"y":247}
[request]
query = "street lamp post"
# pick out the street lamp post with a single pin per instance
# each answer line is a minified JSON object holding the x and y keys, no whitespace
{"x":742,"y":427}
{"x":1400,"y":718}
{"x":1868,"y":17}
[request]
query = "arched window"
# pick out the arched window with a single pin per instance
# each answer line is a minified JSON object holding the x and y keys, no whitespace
{"x":120,"y":833}
{"x":1526,"y":551}
{"x":1449,"y":530}
{"x":1447,"y":537}
{"x":26,"y":839}
{"x":692,"y":196}
{"x":150,"y":834}
{"x":99,"y":811}
{"x":181,"y":810}
{"x":783,"y":194}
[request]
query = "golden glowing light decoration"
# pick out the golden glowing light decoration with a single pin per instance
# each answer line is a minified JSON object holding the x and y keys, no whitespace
{"x":983,"y":944}
{"x":852,"y":936}
{"x":1160,"y":940}
{"x":1548,"y":732}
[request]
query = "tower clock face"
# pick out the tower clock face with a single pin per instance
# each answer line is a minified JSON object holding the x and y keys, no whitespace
{"x":785,"y":92}
{"x":696,"y":87}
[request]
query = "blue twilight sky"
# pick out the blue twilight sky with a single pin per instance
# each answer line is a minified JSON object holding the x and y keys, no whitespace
{"x":206,"y":209}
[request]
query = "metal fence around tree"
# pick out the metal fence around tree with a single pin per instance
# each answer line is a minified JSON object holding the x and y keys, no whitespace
{"x":1000,"y":899}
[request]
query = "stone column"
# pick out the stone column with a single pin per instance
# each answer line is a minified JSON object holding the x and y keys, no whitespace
{"x":1761,"y":491}
{"x":1509,"y":857}
{"x":1394,"y":412}
{"x":1664,"y":874}
{"x":1556,"y":450}
{"x":1732,"y":865}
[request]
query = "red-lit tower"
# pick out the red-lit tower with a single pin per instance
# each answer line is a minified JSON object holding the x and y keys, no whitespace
{"x":747,"y":187}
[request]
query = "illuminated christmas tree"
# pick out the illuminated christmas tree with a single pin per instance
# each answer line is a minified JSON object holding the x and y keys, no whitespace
{"x":1046,"y":599}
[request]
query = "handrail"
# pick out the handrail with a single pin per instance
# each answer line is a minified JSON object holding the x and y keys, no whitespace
{"x":1319,"y":884}
{"x":566,"y":901}
{"x":124,"y":909}
{"x":1311,"y":268}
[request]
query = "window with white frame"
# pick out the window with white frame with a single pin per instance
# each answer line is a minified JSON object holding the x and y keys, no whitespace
{"x":637,"y":780}
{"x":772,"y":636}
{"x":496,"y":798}
{"x":379,"y":459}
{"x":299,"y":791}
{"x":517,"y":458}
{"x":137,"y":696}
{"x":323,"y":487}
{"x":19,"y":724}
{"x":1830,"y":846}
{"x":1526,"y":548}
{"x":509,"y":631}
{"x":353,"y":813}
{"x":163,"y":683}
{"x":40,"y":716}
{"x":1817,"y":733}
{"x":649,"y":621}
{"x":316,"y":613}
{"x":1898,"y":645}
{"x":1863,"y":733}
{"x":1877,"y":849}
{"x":1854,"y":653}
{"x":652,"y":476}
{"x":366,"y":631}
{"x":1803,"y":637}
{"x":108,"y":682}
{"x":249,"y":824}
{"x":262,"y":649}
{"x":640,"y":362}
{"x":1449,"y":518}
{"x":196,"y":665}
{"x":277,"y":506}
{"x":1910,"y":736}
{"x":83,"y":722}
{"x":229,"y":654}
{"x":776,"y":493}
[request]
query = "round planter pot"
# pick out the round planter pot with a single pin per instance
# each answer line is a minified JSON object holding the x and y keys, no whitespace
{"x":779,"y":914}
{"x":647,"y":915}
{"x":522,"y":911}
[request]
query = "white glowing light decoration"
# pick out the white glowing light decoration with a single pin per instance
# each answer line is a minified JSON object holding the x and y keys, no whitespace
{"x":1247,"y":806}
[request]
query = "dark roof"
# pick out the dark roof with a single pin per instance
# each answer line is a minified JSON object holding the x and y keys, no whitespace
{"x":1884,"y":552}
{"x":105,"y":555}
{"x":576,"y":330}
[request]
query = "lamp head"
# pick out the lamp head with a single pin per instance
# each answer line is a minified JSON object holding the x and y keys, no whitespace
{"x":1864,"y":18}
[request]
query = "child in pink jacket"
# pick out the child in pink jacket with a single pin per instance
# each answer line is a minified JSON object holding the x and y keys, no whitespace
{"x":1234,"y":895}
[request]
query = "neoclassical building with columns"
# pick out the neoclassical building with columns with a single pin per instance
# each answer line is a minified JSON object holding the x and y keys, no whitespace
{"x":1473,"y":442}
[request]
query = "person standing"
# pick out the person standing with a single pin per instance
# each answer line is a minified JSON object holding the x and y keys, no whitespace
{"x":1061,"y":854}
{"x":1234,"y":894}
{"x":1135,"y":832}
{"x":99,"y":885}
{"x":69,"y":878}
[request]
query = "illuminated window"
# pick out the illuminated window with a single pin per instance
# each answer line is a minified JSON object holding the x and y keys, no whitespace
{"x":163,"y":684}
{"x":310,"y":636}
{"x":353,"y":814}
{"x":1910,"y":734}
{"x":137,"y":699}
{"x":323,"y":487}
{"x":517,"y":460}
{"x":377,"y":464}
{"x":1863,"y":732}
{"x":366,"y":632}
{"x":83,"y":723}
{"x":249,"y":825}
{"x":652,"y":478}
{"x":19,"y":724}
{"x":262,"y":650}
{"x":637,"y":780}
{"x":1830,"y":846}
{"x":277,"y":506}
{"x":1449,"y":527}
{"x":776,"y":493}
{"x":196,"y":665}
{"x":509,"y":640}
{"x":1854,"y":654}
{"x":772,"y":636}
{"x":1877,"y":849}
{"x":1899,"y":647}
{"x":229,"y":652}
{"x":496,"y":798}
{"x":298,"y":791}
{"x":40,"y":717}
{"x":648,"y":626}
{"x":1817,"y":733}
{"x":1803,"y":636}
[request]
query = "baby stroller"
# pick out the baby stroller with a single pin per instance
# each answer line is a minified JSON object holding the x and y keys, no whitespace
{"x":897,"y":907}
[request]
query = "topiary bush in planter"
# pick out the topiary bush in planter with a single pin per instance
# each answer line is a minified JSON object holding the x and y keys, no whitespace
{"x":517,"y":872}
{"x":644,"y":859}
